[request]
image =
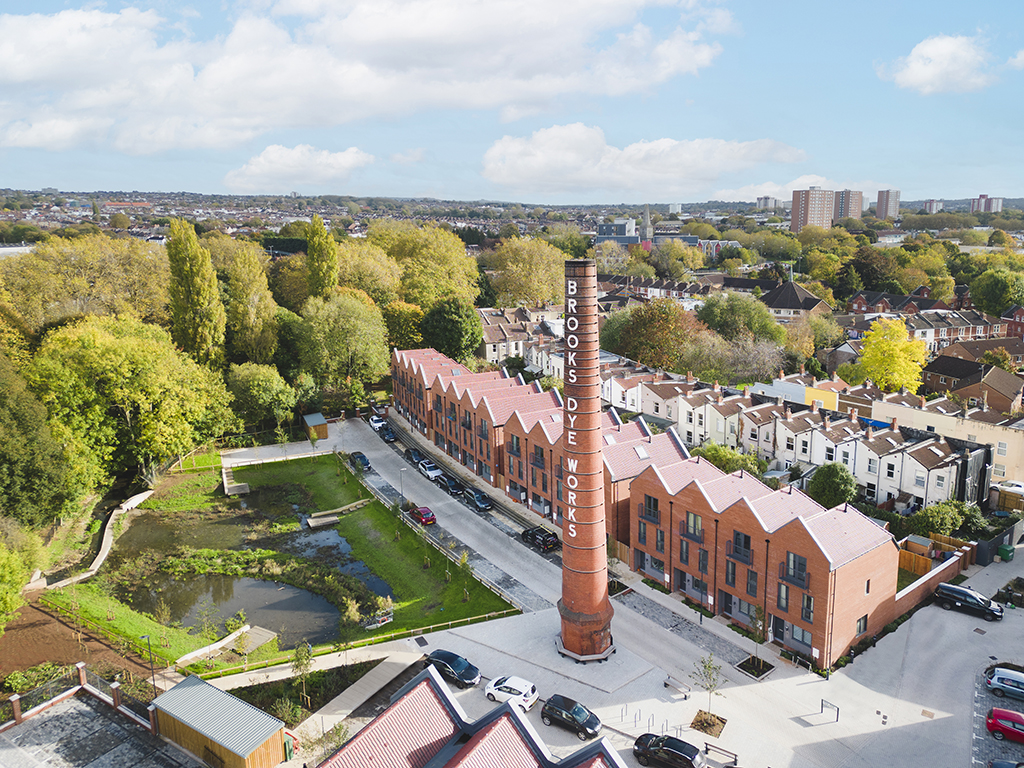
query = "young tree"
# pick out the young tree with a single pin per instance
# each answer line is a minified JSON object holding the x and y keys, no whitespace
{"x":197,"y":314}
{"x":656,"y":332}
{"x":321,"y":259}
{"x":890,"y":358}
{"x":302,"y":663}
{"x":832,"y":485}
{"x":708,"y":676}
{"x":251,"y":310}
{"x":453,"y":328}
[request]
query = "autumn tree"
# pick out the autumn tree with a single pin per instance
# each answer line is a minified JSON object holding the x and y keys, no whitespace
{"x":404,"y":322}
{"x":675,"y":260}
{"x":832,"y":485}
{"x":260,"y":394}
{"x":289,"y":281}
{"x":996,"y":290}
{"x":122,"y":397}
{"x":729,"y":460}
{"x":655,"y":333}
{"x":251,"y":309}
{"x":453,"y":328}
{"x":735,"y":315}
{"x":342,"y":338}
{"x":321,"y":259}
{"x":529,"y":272}
{"x":367,"y":267}
{"x":611,"y":257}
{"x":197,"y":314}
{"x":1000,"y":358}
{"x":890,"y":358}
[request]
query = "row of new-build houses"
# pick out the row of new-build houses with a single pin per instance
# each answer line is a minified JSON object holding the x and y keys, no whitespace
{"x":680,"y":519}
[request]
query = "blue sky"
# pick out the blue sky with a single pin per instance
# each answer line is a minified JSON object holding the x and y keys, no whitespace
{"x":540,"y":101}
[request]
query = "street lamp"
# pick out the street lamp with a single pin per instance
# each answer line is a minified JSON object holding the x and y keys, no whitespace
{"x":152,"y":672}
{"x":401,"y":483}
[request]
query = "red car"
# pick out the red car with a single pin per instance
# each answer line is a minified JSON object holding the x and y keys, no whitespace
{"x":423,"y":515}
{"x":1005,"y":724}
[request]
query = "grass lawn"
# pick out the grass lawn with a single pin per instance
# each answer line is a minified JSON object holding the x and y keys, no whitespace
{"x":189,"y":492}
{"x":905,"y":578}
{"x":326,"y":480}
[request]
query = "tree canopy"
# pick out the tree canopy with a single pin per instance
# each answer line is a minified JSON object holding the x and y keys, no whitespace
{"x":996,"y":290}
{"x":367,"y":267}
{"x":404,"y":323}
{"x":529,"y":272}
{"x":832,"y":485}
{"x":890,"y":358}
{"x":656,"y":333}
{"x":251,"y":309}
{"x":730,"y":460}
{"x":735,"y":315}
{"x":197,"y":314}
{"x":321,"y":259}
{"x":453,"y":328}
{"x":343,"y":338}
{"x":260,"y":394}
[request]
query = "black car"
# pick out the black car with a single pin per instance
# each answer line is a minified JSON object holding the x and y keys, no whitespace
{"x":387,"y":434}
{"x":455,"y":668}
{"x":572,"y":715}
{"x":541,"y":538}
{"x":950,"y":596}
{"x":478,"y":499}
{"x":450,"y":484}
{"x":359,"y":461}
{"x":651,"y":749}
{"x":415,"y":455}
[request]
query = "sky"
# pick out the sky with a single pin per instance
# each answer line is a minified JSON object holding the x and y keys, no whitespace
{"x":536,"y":101}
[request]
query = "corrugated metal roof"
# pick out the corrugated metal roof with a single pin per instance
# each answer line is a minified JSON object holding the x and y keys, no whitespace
{"x":234,"y":724}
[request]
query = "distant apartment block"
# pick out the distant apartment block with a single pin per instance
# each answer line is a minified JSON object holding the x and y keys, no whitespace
{"x":675,"y":208}
{"x":848,"y":204}
{"x":932,"y":206}
{"x":767,"y":202}
{"x":888,"y":206}
{"x":986,"y":204}
{"x":621,"y":231}
{"x":814,"y":206}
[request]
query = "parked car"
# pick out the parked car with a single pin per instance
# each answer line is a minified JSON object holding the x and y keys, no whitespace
{"x":455,"y":668}
{"x":387,"y":434}
{"x":1005,"y":724}
{"x":376,"y":422}
{"x":950,"y":596}
{"x":415,"y":455}
{"x":422,"y":515}
{"x":450,"y":484}
{"x":1004,"y":764}
{"x":429,"y":469}
{"x":1010,"y":486}
{"x":359,"y":461}
{"x":521,"y":693}
{"x":478,"y":499}
{"x":572,"y":715}
{"x":541,"y":538}
{"x":651,"y":749}
{"x":1005,"y":682}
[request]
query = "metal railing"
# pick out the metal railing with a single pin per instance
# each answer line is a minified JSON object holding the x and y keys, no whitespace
{"x":692,"y":534}
{"x":649,"y":514}
{"x":134,"y":705}
{"x":47,"y":691}
{"x":512,"y":449}
{"x":742,"y":554}
{"x":797,"y":578}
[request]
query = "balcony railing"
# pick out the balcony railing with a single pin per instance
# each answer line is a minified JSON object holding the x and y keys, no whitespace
{"x":481,"y":432}
{"x":800,"y":579}
{"x":466,"y":423}
{"x":692,"y":534}
{"x":742,"y":554}
{"x":649,"y":514}
{"x":537,"y":461}
{"x":512,"y":449}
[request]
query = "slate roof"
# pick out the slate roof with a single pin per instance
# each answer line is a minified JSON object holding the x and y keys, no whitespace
{"x":954,"y":367}
{"x":225,"y":719}
{"x":789,"y":295}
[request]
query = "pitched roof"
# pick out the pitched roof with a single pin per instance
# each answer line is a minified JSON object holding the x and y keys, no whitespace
{"x":955,"y":367}
{"x":789,"y":295}
{"x":225,"y":719}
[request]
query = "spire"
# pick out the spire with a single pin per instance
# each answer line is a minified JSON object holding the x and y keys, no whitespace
{"x":648,"y":233}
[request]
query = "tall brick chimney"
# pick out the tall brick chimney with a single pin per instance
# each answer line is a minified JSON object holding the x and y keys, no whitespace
{"x":585,"y":610}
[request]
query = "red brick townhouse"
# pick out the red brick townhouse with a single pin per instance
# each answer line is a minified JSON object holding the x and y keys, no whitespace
{"x":824,"y":578}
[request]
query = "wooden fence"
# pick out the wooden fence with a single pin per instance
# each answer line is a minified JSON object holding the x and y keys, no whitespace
{"x":916,"y":564}
{"x":949,"y":544}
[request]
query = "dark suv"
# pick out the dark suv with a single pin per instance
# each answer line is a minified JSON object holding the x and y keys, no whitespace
{"x":572,"y":715}
{"x":450,"y":484}
{"x":478,"y":499}
{"x":651,"y":749}
{"x":541,"y":538}
{"x":455,"y":668}
{"x":415,"y":455}
{"x":950,"y":596}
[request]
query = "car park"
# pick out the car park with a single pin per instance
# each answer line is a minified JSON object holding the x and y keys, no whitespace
{"x":429,"y":469}
{"x":478,"y":499}
{"x":451,"y":485}
{"x":520,"y":692}
{"x":541,"y":538}
{"x":423,"y":515}
{"x":455,"y":668}
{"x":415,"y":455}
{"x":570,"y":714}
{"x":950,"y":596}
{"x":376,"y":422}
{"x":651,"y":749}
{"x":1005,"y":724}
{"x":359,"y":461}
{"x":387,"y":434}
{"x":1005,"y":682}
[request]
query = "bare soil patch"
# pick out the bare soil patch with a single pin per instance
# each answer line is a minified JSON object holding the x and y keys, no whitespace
{"x":708,"y":722}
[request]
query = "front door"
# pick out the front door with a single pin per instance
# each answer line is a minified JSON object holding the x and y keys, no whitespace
{"x":726,"y":600}
{"x":778,"y":629}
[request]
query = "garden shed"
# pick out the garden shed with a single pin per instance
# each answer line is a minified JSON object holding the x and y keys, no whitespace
{"x":220,"y":729}
{"x":316,"y":424}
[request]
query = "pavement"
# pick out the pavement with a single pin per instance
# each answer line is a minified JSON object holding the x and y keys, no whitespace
{"x":912,"y":700}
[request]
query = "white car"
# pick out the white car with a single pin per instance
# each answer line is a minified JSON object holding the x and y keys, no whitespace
{"x":376,"y":422}
{"x":429,"y":470}
{"x":521,"y":693}
{"x":1011,"y":486}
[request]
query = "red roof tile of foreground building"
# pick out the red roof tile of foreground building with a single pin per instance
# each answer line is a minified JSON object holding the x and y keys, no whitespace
{"x":427,"y":364}
{"x":629,"y":459}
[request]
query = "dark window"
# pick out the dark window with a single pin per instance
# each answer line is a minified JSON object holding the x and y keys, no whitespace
{"x":752,"y":583}
{"x":659,"y":540}
{"x":702,"y":561}
{"x":684,"y":551}
{"x":730,"y":573}
{"x":783,"y":597}
{"x":641,"y":533}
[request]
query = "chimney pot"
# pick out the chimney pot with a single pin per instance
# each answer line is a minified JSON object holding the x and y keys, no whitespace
{"x":892,"y":425}
{"x":801,"y":369}
{"x":921,"y":405}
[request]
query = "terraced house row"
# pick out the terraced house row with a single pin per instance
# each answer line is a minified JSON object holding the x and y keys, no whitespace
{"x":822,"y":578}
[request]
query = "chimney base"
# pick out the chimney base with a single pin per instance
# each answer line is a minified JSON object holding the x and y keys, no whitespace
{"x":586,"y":637}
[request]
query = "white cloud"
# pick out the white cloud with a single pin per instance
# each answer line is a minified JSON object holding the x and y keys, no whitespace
{"x":280,"y":169}
{"x":751,"y":192}
{"x":411,"y":157}
{"x":320,"y":63}
{"x":577,"y":158}
{"x":942,"y":64}
{"x":1017,"y":62}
